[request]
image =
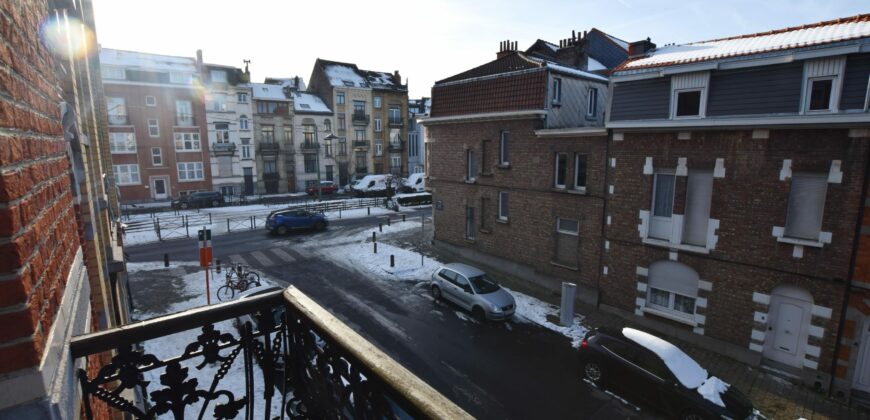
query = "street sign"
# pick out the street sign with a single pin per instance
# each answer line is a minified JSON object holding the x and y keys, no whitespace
{"x":205,"y":254}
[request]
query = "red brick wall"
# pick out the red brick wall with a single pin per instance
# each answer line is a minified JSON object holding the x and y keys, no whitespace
{"x":37,"y":220}
{"x":500,"y":94}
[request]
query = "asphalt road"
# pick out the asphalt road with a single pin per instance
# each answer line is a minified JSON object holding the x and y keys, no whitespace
{"x":493,"y":370}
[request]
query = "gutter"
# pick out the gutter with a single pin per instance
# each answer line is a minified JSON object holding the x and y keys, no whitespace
{"x":571,"y":132}
{"x":487,"y":116}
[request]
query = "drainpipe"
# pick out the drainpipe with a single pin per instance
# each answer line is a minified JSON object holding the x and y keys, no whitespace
{"x":606,"y":198}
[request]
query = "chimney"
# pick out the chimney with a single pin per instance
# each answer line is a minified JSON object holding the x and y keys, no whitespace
{"x":638,"y":48}
{"x":296,"y":82}
{"x":199,"y":60}
{"x":505,"y":48}
{"x":397,"y":77}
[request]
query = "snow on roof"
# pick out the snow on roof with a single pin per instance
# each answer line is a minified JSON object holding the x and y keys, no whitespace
{"x":307,"y":102}
{"x":289,"y":81}
{"x":381,"y":79}
{"x":552,"y":46}
{"x":593,"y":65}
{"x":572,"y":71}
{"x":342,"y":75}
{"x":145,"y":61}
{"x":268,"y":92}
{"x":782,"y":39}
{"x":686,"y":369}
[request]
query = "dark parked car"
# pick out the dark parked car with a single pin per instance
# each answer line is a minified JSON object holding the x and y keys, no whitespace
{"x":199,"y":199}
{"x":653,"y":372}
{"x":284,"y":221}
{"x":326,"y":187}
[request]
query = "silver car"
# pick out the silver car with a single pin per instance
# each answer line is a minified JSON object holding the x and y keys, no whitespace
{"x":471,"y":289}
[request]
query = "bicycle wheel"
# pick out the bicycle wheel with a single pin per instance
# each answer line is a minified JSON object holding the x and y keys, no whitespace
{"x":225,"y":293}
{"x":252,"y":278}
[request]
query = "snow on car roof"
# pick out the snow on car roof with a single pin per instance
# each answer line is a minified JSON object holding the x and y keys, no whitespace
{"x":686,"y":369}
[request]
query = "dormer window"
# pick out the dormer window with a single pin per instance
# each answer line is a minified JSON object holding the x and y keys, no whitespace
{"x":820,"y":94}
{"x":688,"y":103}
{"x":218,"y":76}
{"x":557,"y":90}
{"x":822,"y":84}
{"x":689,"y":95}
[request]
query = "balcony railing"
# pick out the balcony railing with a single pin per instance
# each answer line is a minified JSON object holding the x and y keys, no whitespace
{"x":223,"y":148}
{"x":309,"y":360}
{"x":269,"y":148}
{"x":361,"y":143}
{"x":397,"y":145}
{"x":360,"y":118}
{"x":396,"y":122}
{"x":310,"y":146}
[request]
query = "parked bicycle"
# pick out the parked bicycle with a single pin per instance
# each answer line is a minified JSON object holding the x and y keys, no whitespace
{"x":238,"y":278}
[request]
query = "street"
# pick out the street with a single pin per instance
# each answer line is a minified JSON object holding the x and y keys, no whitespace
{"x":492,"y":370}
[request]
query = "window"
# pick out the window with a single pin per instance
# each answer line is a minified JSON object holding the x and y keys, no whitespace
{"x":672,"y":289}
{"x":557,"y":90}
{"x":504,"y":150}
{"x":820,"y":94}
{"x":376,"y":102}
{"x":342,"y":147}
{"x":567,"y":226}
{"x":151,"y":101}
{"x":228,"y":190}
{"x":348,"y":83}
{"x":567,"y":237}
{"x":699,"y":193}
{"x":341,"y":124}
{"x":360,"y":134}
{"x":218,"y":102}
{"x":806,"y":205}
{"x":379,"y":147}
{"x":153,"y":128}
{"x":469,"y":223}
{"x":310,"y":163}
{"x":117,"y":110}
{"x":271,"y":107}
{"x":308,"y":133}
{"x":359,"y":107}
{"x":222,"y":132}
{"x":561,"y":170}
{"x":180,"y":78}
{"x":156,"y":156}
{"x":126,"y":174}
{"x":339,"y":98}
{"x":270,"y":167}
{"x":688,"y":103}
{"x":395,"y":115}
{"x":243,"y":122}
{"x":579,"y":172}
{"x":662,"y":205}
{"x":396,"y":161}
{"x":225,"y":166}
{"x":288,"y":134}
{"x":327,"y":147}
{"x":190,"y":171}
{"x":360,"y":160}
{"x":242,"y":97}
{"x":378,"y":127}
{"x":592,"y":103}
{"x":184,"y":113}
{"x":218,"y":76}
{"x":111,"y":72}
{"x":503,"y":205}
{"x":187,"y":142}
{"x":470,"y":169}
{"x":246,"y":148}
{"x":412,"y":145}
{"x":267,"y":134}
{"x":327,"y":125}
{"x":122,"y":142}
{"x":329,"y":173}
{"x":395,"y":140}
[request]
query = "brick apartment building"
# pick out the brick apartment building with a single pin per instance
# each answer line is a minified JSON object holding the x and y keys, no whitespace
{"x":61,"y":266}
{"x":389,"y":110}
{"x":157,"y":125}
{"x":520,"y":148}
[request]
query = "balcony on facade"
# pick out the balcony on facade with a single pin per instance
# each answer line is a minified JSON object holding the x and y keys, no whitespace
{"x":396,"y":122}
{"x":359,"y":144}
{"x":396,"y":145}
{"x":360,"y":118}
{"x":269,"y":149}
{"x":311,"y":363}
{"x":223,"y":149}
{"x":310,"y":146}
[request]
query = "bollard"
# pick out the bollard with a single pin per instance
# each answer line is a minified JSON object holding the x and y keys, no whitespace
{"x":369,"y":210}
{"x":339,"y":212}
{"x":403,"y":217}
{"x":166,"y":260}
{"x":217,"y":265}
{"x":566,"y":315}
{"x":228,"y":225}
{"x":187,"y":227}
{"x":392,"y":260}
{"x":376,"y":247}
{"x":209,"y":218}
{"x":388,"y":220}
{"x":381,"y":227}
{"x":374,"y":236}
{"x":252,"y":222}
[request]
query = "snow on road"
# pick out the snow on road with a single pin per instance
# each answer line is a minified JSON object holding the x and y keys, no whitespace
{"x":173,"y":345}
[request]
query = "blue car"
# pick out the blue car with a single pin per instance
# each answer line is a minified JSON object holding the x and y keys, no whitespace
{"x":287,"y":220}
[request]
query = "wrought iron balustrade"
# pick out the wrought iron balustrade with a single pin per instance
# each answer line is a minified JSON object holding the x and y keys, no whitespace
{"x":269,"y":148}
{"x":361,"y":143}
{"x":314,"y":364}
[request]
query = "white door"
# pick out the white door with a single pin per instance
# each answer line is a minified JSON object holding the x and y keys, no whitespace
{"x":861,"y":380}
{"x":788,"y":323}
{"x":158,"y":185}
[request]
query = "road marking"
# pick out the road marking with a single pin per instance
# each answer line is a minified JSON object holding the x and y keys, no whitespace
{"x":262,"y":258}
{"x":284,"y":255}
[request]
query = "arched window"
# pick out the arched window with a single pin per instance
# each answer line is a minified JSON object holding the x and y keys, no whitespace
{"x":673,"y":287}
{"x":243,"y":122}
{"x":327,"y":125}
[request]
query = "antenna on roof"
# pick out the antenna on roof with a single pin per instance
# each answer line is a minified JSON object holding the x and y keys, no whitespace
{"x":246,"y":66}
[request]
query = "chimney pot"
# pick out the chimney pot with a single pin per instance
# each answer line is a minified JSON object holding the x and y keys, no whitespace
{"x":640,"y":47}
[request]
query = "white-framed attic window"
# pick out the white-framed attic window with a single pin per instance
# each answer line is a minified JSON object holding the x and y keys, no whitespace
{"x":689,"y":95}
{"x":822,"y":85}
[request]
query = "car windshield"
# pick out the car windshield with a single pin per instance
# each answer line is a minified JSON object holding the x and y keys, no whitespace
{"x":482,"y":284}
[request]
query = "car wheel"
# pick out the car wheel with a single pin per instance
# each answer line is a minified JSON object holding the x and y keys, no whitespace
{"x":282,"y":230}
{"x":592,"y":371}
{"x":436,"y":292}
{"x":319,"y":226}
{"x":184,"y":205}
{"x":478,"y":313}
{"x":691,"y":415}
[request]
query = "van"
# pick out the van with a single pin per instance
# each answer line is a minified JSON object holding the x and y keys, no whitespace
{"x":415,"y":183}
{"x":371,"y":186}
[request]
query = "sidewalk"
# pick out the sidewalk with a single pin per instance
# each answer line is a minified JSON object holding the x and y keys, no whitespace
{"x":776,"y":397}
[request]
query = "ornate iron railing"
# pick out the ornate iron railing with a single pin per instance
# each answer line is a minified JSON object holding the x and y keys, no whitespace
{"x":315,"y":365}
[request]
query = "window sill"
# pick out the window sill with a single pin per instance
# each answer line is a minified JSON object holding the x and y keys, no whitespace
{"x":681,"y":247}
{"x":504,"y":221}
{"x":671,"y":316}
{"x":797,"y":241}
{"x":470,"y":181}
{"x":190,"y":180}
{"x":482,"y":230}
{"x":567,"y":267}
{"x":503,"y":166}
{"x":569,"y":191}
{"x":471,"y":241}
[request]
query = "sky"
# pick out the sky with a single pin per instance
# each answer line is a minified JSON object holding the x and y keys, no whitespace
{"x":425,"y":40}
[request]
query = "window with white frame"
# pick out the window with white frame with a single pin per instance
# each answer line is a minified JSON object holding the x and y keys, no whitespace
{"x":218,"y":76}
{"x":122,"y":143}
{"x":187,"y":142}
{"x":243,"y":123}
{"x":378,"y":127}
{"x":561,"y":170}
{"x":190,"y":171}
{"x":153,"y":128}
{"x":116,"y":107}
{"x":592,"y":103}
{"x":222,"y":132}
{"x":503,"y":206}
{"x":567,"y":237}
{"x":579,"y":172}
{"x":360,"y":134}
{"x":180,"y":78}
{"x":242,"y":97}
{"x":150,"y":101}
{"x":568,"y":226}
{"x":672,"y":289}
{"x":689,"y":94}
{"x":246,"y":148}
{"x":113,"y":72}
{"x":504,"y":148}
{"x":699,"y":194}
{"x":688,"y":103}
{"x":184,"y":113}
{"x":126,"y":174}
{"x":376,"y":102}
{"x":819,"y":93}
{"x":469,"y":223}
{"x":806,"y":205}
{"x":395,"y":161}
{"x":662,"y":205}
{"x":379,"y":147}
{"x":822,"y":80}
{"x":470,"y":165}
{"x":339,"y":98}
{"x":557,"y":90}
{"x":218,"y":102}
{"x":156,"y":156}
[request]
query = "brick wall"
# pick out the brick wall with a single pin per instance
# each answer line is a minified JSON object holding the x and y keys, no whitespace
{"x":500,"y":94}
{"x":38,"y":228}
